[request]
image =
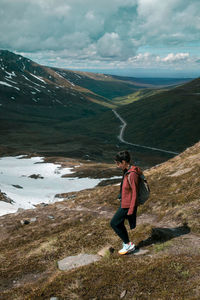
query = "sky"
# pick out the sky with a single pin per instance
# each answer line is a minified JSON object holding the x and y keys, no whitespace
{"x":144,"y":38}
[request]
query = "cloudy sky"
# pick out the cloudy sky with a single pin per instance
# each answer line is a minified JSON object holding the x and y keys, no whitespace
{"x":131,"y":37}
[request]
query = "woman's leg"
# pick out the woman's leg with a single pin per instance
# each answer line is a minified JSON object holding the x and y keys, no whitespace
{"x":117,"y":223}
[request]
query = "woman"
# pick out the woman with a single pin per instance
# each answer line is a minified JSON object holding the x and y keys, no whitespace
{"x":128,"y":200}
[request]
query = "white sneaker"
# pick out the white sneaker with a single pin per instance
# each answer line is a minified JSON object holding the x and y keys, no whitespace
{"x":127,"y":248}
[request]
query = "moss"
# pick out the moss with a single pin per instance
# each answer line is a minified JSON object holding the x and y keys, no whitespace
{"x":162,"y":246}
{"x":141,"y":278}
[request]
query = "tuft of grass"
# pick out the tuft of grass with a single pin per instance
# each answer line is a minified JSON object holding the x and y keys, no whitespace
{"x":162,"y":246}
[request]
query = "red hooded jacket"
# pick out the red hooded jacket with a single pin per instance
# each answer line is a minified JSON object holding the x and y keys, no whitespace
{"x":130,"y":189}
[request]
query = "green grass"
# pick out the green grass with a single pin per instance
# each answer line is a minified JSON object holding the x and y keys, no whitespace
{"x":166,"y":120}
{"x":138,"y":95}
{"x":162,"y":246}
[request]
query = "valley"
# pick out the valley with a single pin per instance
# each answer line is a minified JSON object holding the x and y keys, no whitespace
{"x":66,"y":128}
{"x":53,"y":111}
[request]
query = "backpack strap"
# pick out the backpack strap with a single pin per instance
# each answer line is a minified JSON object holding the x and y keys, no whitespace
{"x":129,"y":177}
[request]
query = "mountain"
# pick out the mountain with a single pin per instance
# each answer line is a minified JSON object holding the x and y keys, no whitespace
{"x":164,"y":266}
{"x":38,"y":106}
{"x":111,"y":86}
{"x":168,"y":119}
{"x":54,"y":111}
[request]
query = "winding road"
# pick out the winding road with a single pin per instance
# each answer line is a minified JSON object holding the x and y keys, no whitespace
{"x":121,"y":137}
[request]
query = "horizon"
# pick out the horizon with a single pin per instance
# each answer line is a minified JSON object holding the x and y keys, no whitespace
{"x":140,"y":38}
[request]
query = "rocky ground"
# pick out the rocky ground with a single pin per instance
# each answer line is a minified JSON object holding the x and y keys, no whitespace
{"x":33,"y":242}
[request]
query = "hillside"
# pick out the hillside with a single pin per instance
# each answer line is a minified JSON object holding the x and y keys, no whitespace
{"x":169,"y":119}
{"x":42,"y":111}
{"x":167,"y":238}
{"x":111,"y":86}
{"x":38,"y":105}
{"x":58,"y":112}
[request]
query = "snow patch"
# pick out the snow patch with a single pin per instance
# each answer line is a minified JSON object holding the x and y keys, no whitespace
{"x":33,"y":82}
{"x":70,"y":82}
{"x":10,"y":80}
{"x":60,"y":75}
{"x":10,"y":74}
{"x":17,"y":171}
{"x":38,"y":78}
{"x":6,"y":84}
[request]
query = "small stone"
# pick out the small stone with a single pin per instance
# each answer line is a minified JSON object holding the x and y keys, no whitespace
{"x":123,"y":294}
{"x":17,"y":186}
{"x":43,"y":204}
{"x":54,"y":298}
{"x":20,"y":210}
{"x":36,"y":176}
{"x":25,"y":222}
{"x":106,"y":251}
{"x":51,"y":217}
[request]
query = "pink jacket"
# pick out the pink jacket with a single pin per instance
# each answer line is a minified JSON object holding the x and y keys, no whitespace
{"x":130,"y":189}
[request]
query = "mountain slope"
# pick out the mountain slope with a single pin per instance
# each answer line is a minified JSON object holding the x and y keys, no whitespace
{"x":38,"y":107}
{"x":52,"y":111}
{"x":28,"y":82}
{"x":167,"y":120}
{"x":166,"y":236}
{"x":111,"y":86}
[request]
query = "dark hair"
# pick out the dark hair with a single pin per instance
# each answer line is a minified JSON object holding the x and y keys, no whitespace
{"x":123,"y":155}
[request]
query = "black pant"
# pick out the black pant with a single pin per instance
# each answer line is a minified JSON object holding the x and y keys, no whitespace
{"x":117,"y":222}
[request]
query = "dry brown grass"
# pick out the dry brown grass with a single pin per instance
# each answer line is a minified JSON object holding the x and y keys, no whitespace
{"x":80,"y":224}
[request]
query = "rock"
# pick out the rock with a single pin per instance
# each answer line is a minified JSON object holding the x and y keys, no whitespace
{"x":106,"y":251}
{"x":17,"y":186}
{"x":5,"y":198}
{"x":43,"y":204}
{"x":54,"y":298}
{"x":123,"y":294}
{"x":51,"y":217}
{"x":20,"y":210}
{"x":76,"y":261}
{"x":25,"y":222}
{"x":36,"y":176}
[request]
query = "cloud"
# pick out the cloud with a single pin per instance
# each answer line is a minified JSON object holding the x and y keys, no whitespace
{"x":99,"y":32}
{"x":176,"y":57}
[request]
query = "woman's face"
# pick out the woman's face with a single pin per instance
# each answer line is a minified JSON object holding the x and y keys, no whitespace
{"x":122,"y":165}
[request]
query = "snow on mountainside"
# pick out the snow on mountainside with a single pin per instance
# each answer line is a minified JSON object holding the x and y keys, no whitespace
{"x":38,"y":108}
{"x":27,"y":82}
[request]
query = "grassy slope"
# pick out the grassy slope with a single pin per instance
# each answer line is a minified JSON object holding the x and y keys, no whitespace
{"x":167,"y":120}
{"x":170,"y":270}
{"x":139,"y":95}
{"x":105,"y":85}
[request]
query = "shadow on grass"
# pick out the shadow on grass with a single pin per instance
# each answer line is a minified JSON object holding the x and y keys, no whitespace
{"x":161,"y":235}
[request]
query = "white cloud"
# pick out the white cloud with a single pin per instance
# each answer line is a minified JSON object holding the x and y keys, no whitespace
{"x":109,"y":45}
{"x":100,"y":31}
{"x":171,"y":57}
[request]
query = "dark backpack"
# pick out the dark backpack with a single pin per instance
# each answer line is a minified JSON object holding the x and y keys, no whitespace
{"x":143,"y":189}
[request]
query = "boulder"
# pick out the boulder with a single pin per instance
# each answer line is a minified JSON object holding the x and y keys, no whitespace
{"x":76,"y":261}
